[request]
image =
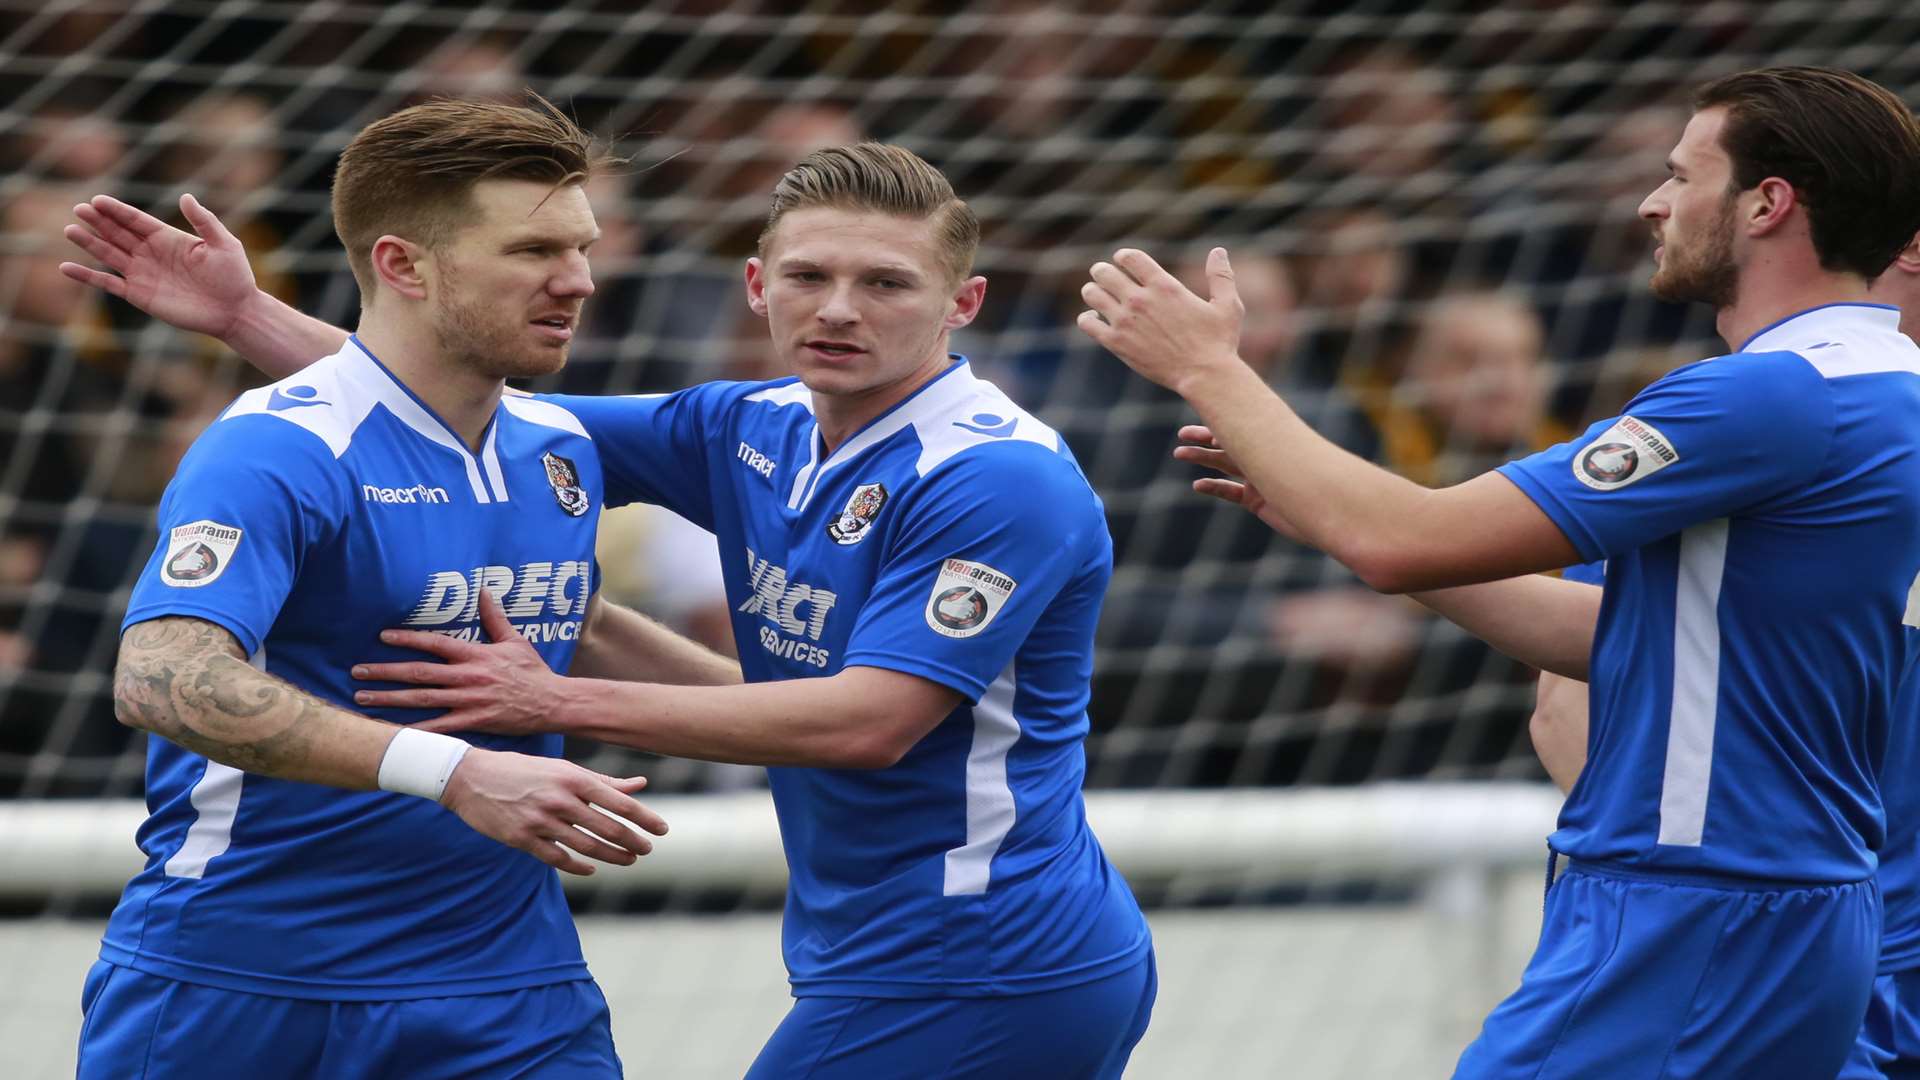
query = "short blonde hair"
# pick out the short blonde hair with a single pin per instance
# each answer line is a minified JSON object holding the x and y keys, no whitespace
{"x":883,"y":179}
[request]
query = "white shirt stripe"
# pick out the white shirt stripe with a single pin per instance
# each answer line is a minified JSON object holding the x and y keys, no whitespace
{"x":990,"y":807}
{"x":1696,"y":684}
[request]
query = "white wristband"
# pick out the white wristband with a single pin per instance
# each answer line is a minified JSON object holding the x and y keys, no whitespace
{"x":420,"y":762}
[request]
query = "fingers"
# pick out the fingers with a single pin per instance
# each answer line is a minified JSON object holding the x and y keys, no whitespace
{"x":131,"y":218}
{"x":419,"y":672}
{"x":1113,"y":279}
{"x":1212,"y":459}
{"x":591,"y":838}
{"x":108,"y":228}
{"x":1225,"y":490}
{"x":1095,"y":327}
{"x":493,"y":619}
{"x":105,"y":282}
{"x":1098,"y":298}
{"x":610,"y":796}
{"x":435,"y":698}
{"x":427,"y":642}
{"x":1225,"y":293}
{"x":1141,"y":268}
{"x":1198,"y":433}
{"x":551,"y":853}
{"x":91,"y":243}
{"x":209,"y":227}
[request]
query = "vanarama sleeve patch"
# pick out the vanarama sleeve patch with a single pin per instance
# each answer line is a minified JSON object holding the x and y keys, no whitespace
{"x":1629,"y":451}
{"x":966,"y":597}
{"x":198,"y":553}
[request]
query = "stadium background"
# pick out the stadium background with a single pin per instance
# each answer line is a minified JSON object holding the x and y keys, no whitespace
{"x":1326,"y":797}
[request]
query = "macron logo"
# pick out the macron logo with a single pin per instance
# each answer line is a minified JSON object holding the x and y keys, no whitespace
{"x":755,"y":460}
{"x":418,"y":493}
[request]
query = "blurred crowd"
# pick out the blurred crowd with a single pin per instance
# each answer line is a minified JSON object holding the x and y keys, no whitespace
{"x":1432,"y":219}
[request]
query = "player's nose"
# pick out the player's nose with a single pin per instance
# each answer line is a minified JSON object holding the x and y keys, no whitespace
{"x":838,"y":308}
{"x":575,"y":278}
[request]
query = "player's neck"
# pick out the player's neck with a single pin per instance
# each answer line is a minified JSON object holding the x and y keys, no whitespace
{"x":839,"y":416}
{"x":1769,"y":294}
{"x":464,"y":398}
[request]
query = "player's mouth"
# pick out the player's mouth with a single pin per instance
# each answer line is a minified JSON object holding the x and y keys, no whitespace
{"x":555,"y":328}
{"x":830,"y":351}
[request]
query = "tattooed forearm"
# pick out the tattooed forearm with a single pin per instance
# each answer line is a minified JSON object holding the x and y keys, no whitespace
{"x":188,"y":681}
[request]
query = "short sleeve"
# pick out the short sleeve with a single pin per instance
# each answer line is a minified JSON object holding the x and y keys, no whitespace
{"x":1592,"y":573}
{"x":985,"y":544}
{"x":1707,"y":441}
{"x":250,"y":497}
{"x":653,"y":447}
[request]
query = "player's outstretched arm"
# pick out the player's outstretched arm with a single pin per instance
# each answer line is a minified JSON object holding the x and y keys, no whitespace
{"x":1545,"y":622}
{"x":1559,"y":728}
{"x":198,"y":281}
{"x":860,"y":718}
{"x":187,"y":680}
{"x":1396,"y":535}
{"x":620,"y":643}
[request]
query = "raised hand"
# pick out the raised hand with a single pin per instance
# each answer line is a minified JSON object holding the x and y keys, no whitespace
{"x":200,"y":283}
{"x":503,"y":687}
{"x":1143,"y":315}
{"x":554,"y":810}
{"x":1200,"y":449}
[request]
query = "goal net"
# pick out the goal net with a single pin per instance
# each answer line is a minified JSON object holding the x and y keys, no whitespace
{"x":1432,"y":213}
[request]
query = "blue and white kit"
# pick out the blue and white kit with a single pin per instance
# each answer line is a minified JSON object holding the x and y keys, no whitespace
{"x":1760,"y":517}
{"x":953,"y":538}
{"x":312,"y":515}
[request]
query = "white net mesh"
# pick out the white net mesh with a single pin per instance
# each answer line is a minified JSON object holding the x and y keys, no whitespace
{"x":1431,"y":208}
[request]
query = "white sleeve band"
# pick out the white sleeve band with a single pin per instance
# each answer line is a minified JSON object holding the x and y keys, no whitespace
{"x":420,"y":762}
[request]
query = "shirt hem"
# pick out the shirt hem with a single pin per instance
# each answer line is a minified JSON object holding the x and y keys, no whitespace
{"x":310,"y":990}
{"x":1000,"y":986}
{"x":951,"y":678}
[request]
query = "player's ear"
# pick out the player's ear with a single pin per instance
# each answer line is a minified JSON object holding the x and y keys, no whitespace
{"x":966,"y":302}
{"x":757,"y":286}
{"x":1775,"y":199}
{"x":1909,"y":257}
{"x":396,"y":263}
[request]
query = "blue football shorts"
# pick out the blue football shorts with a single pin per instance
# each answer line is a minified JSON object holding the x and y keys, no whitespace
{"x":1640,"y":976}
{"x":146,"y":1027}
{"x":1083,"y":1032}
{"x":1888,"y":1046}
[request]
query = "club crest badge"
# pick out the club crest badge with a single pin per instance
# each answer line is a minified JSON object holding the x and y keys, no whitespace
{"x":198,"y":553}
{"x":966,"y":597}
{"x":850,"y":525}
{"x":565,"y":481}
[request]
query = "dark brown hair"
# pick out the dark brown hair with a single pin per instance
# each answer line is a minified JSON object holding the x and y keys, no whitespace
{"x":887,"y":180}
{"x":1849,"y":147}
{"x":412,"y":174}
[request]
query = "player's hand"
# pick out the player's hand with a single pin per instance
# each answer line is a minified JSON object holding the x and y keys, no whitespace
{"x":503,"y":687}
{"x":200,"y":283}
{"x":1234,"y":487}
{"x":1143,"y":315}
{"x":554,"y":810}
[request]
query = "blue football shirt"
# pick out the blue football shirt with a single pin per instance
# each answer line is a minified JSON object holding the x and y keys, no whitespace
{"x":953,"y":538}
{"x":1760,"y":517}
{"x":312,"y":515}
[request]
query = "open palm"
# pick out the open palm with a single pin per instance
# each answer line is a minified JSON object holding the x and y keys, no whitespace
{"x":196,"y":282}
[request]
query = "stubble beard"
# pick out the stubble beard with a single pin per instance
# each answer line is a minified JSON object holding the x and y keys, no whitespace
{"x":1709,"y":277}
{"x":473,"y":334}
